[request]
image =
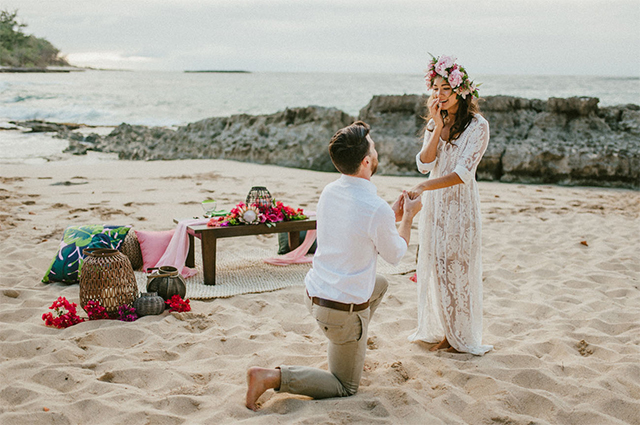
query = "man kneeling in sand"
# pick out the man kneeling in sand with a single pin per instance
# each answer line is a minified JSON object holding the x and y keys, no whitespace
{"x":343,"y":290}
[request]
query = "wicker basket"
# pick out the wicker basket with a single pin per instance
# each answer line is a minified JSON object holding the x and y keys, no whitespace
{"x":131,"y":248}
{"x":107,"y":277}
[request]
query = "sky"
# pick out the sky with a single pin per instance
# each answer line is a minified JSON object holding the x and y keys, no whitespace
{"x":500,"y":37}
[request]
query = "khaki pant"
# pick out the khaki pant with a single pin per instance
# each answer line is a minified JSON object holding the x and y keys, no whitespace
{"x":347,"y":334}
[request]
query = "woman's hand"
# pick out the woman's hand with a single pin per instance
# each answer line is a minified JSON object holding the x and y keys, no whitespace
{"x":434,"y":111}
{"x":416,"y":191}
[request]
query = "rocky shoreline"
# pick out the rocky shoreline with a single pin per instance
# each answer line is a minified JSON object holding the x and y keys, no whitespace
{"x":561,"y":141}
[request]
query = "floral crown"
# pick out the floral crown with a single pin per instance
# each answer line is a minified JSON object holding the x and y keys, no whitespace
{"x":457,"y":77}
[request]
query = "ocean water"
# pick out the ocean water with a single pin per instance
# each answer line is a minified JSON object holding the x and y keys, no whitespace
{"x":175,"y":98}
{"x":107,"y":98}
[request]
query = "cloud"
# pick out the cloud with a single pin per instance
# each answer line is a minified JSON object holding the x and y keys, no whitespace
{"x":109,"y":60}
{"x":488,"y":36}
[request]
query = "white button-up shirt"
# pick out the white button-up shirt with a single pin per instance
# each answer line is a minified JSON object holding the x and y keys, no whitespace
{"x":354,"y":225}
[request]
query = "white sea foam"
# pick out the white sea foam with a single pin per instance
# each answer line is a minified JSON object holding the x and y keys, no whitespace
{"x":20,"y":147}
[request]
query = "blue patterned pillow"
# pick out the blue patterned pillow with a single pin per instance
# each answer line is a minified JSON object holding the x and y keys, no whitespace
{"x":67,"y":263}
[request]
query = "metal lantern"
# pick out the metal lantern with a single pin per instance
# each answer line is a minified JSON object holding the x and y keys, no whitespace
{"x":259,"y":195}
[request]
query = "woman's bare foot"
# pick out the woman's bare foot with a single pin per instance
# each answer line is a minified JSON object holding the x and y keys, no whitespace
{"x":441,"y":345}
{"x":452,"y":350}
{"x":260,"y":380}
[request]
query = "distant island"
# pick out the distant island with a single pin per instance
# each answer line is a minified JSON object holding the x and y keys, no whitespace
{"x":221,"y":71}
{"x":20,"y":52}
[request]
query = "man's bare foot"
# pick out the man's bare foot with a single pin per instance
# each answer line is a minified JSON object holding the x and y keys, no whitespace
{"x":260,"y":380}
{"x":441,"y":345}
{"x":452,"y":350}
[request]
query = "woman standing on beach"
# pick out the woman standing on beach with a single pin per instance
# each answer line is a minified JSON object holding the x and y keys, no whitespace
{"x":449,"y":270}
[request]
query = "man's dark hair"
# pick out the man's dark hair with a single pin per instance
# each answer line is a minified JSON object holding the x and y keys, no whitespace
{"x":349,"y":146}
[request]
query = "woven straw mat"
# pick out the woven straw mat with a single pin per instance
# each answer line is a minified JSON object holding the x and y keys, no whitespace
{"x":248,"y":274}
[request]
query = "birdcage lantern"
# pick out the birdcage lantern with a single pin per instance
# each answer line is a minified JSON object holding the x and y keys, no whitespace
{"x":259,"y":195}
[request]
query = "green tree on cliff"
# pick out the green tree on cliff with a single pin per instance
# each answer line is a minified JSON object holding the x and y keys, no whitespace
{"x":18,"y":49}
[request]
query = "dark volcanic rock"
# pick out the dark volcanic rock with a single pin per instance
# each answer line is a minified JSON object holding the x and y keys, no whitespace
{"x":39,"y":126}
{"x":291,"y":138}
{"x":79,"y":144}
{"x":565,"y":141}
{"x":573,"y":105}
{"x":396,"y":127}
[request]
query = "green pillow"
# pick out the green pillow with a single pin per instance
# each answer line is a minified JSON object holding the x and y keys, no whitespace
{"x":67,"y":263}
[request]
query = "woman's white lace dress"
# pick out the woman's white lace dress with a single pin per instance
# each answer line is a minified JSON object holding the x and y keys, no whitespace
{"x":450,"y":259}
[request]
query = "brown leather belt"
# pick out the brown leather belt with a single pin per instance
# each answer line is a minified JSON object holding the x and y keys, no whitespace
{"x":338,"y":306}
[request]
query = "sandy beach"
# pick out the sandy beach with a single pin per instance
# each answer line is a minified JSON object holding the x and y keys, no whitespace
{"x":561,"y":307}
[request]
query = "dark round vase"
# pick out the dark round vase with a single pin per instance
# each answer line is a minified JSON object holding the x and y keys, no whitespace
{"x":167,"y":282}
{"x":148,"y":304}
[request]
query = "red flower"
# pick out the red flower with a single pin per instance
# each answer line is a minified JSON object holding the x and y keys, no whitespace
{"x":127,"y":313}
{"x":178,"y":304}
{"x":273,"y":213}
{"x":65,"y":314}
{"x":95,"y":311}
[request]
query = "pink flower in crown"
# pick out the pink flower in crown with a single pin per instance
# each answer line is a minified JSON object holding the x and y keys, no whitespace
{"x":463,"y":91}
{"x":428,"y":78}
{"x":455,"y":78}
{"x":443,"y":63}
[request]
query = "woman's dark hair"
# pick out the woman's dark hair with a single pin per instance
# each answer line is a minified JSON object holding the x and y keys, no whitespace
{"x":349,"y":146}
{"x":467,"y":108}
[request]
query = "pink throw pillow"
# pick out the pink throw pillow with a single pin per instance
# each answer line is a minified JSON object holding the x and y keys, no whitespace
{"x":153,"y":245}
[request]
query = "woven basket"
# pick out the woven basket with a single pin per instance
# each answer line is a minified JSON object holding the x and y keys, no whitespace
{"x":107,"y":277}
{"x":131,"y":248}
{"x":149,"y":303}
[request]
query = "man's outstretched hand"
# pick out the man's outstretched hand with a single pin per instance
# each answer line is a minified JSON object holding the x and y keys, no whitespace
{"x":411,"y":207}
{"x":398,"y":207}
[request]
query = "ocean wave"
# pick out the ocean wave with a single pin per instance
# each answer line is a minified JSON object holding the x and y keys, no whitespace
{"x":172,"y":98}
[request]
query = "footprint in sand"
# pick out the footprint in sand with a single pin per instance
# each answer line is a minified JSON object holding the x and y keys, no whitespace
{"x":583,"y":348}
{"x":400,"y":372}
{"x":371,"y":343}
{"x":67,"y":183}
{"x":59,"y":206}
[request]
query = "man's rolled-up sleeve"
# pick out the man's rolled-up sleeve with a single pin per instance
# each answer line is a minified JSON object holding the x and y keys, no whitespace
{"x":390,"y":245}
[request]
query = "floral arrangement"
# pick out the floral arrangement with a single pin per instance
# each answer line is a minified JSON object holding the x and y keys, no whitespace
{"x":177,"y":304}
{"x":95,"y":311}
{"x":127,"y":313}
{"x":457,"y":77}
{"x":64,"y":314}
{"x":258,"y":214}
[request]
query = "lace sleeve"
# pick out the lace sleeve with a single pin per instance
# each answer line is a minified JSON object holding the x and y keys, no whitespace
{"x":424,"y":168}
{"x":475,"y":147}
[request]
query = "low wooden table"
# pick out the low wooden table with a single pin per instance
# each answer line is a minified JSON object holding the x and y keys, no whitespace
{"x":209,"y":237}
